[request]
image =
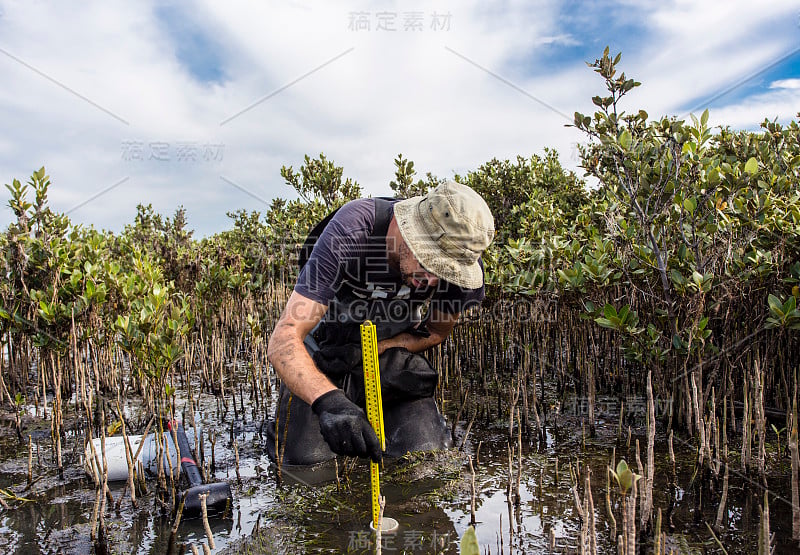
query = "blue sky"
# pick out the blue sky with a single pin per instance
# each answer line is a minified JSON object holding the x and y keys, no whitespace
{"x":761,"y":80}
{"x":193,"y":46}
{"x":200,"y":103}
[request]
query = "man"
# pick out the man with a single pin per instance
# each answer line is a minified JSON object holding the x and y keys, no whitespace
{"x":386,"y":261}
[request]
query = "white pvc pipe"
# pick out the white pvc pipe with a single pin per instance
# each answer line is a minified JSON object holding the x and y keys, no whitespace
{"x":118,"y":462}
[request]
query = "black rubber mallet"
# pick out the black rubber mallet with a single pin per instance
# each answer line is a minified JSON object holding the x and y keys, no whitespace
{"x":219,"y":498}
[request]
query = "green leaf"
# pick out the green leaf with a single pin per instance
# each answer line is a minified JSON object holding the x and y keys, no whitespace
{"x":789,"y":305}
{"x":625,"y":139}
{"x":775,"y":304}
{"x":469,"y":543}
{"x":690,"y":204}
{"x":625,"y":479}
{"x":609,"y":311}
{"x":624,"y":476}
{"x":605,"y":323}
{"x":751,"y":167}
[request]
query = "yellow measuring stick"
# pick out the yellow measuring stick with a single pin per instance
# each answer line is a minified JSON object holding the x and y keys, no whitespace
{"x":372,"y":389}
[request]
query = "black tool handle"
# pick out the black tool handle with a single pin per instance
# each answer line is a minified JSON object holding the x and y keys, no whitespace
{"x":188,"y":465}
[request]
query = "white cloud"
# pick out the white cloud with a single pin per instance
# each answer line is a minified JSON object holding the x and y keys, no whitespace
{"x":404,"y":91}
{"x":749,"y":113}
{"x":785,"y":84}
{"x":564,"y":39}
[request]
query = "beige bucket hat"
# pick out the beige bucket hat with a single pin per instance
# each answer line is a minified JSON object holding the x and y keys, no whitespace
{"x":447,"y":230}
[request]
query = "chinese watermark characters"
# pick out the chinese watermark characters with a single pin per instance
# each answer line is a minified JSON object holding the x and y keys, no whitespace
{"x":182,"y":151}
{"x":411,"y":21}
{"x":634,"y":406}
{"x":414,"y":540}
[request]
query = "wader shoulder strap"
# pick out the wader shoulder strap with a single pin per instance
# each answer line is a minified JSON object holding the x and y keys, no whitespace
{"x":311,"y":240}
{"x":384,"y":210}
{"x":383,"y":216}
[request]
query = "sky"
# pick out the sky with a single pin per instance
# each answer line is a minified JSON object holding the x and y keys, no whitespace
{"x":199,"y":104}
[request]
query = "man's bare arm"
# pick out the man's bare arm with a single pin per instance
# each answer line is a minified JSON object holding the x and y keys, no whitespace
{"x":440,"y":324}
{"x":287,"y":353}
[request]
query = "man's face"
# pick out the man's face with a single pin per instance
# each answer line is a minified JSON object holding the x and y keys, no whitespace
{"x":411,"y":271}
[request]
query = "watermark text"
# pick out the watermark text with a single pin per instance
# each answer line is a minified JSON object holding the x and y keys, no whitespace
{"x":181,"y":151}
{"x":389,"y":21}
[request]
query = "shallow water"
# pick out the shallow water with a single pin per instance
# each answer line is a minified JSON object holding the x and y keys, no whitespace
{"x":428,"y":496}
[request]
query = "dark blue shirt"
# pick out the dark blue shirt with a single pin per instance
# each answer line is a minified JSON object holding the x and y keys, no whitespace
{"x":344,"y":258}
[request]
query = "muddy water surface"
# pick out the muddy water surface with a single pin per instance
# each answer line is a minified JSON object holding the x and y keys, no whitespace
{"x":311,"y":511}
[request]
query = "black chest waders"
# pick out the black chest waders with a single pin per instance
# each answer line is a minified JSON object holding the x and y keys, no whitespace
{"x":368,"y":292}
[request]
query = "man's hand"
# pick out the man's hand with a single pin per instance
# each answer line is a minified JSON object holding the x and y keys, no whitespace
{"x":344,"y":426}
{"x":439,"y":326}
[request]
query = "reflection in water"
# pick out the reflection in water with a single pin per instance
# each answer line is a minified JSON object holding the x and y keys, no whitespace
{"x":308,"y":514}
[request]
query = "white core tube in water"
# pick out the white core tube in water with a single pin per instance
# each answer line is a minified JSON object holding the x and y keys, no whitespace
{"x":118,"y":462}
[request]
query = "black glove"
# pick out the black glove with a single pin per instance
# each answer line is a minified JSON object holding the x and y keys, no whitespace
{"x":344,"y":426}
